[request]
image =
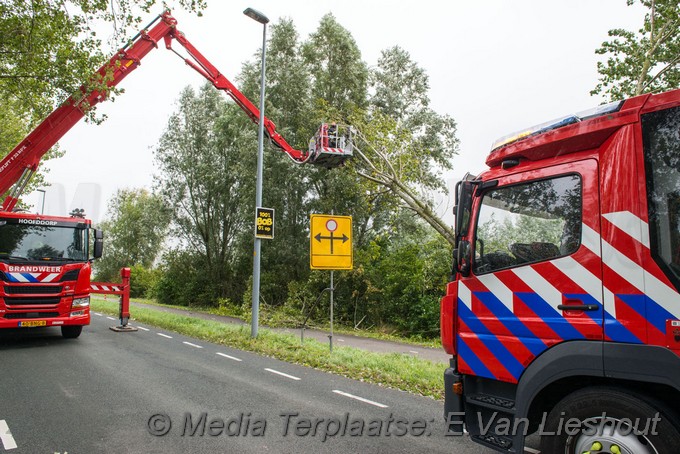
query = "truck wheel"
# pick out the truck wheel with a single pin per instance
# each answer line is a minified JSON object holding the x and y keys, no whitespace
{"x":609,"y":420}
{"x":71,"y":332}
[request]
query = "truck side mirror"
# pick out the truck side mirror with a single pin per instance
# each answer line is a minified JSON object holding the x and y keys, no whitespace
{"x":463,"y":207}
{"x":98,"y":243}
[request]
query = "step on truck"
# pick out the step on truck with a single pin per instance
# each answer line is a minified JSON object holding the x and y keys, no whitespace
{"x":50,"y":285}
{"x":563,"y":312}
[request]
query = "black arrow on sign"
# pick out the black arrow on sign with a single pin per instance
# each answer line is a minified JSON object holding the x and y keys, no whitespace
{"x":344,"y":238}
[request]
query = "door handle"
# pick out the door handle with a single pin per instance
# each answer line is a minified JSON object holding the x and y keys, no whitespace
{"x":578,"y":307}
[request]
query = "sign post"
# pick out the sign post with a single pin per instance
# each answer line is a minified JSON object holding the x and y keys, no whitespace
{"x":330,"y":248}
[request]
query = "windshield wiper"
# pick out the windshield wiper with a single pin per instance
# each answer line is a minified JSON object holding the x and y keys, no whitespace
{"x":5,"y":255}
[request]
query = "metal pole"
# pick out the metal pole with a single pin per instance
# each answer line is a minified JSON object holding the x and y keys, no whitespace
{"x":330,"y":337}
{"x":258,"y":188}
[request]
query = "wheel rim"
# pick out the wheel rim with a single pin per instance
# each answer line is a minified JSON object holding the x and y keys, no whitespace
{"x":611,"y":436}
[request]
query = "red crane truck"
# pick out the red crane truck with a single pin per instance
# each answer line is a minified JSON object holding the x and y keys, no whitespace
{"x":563,"y":313}
{"x":45,"y":261}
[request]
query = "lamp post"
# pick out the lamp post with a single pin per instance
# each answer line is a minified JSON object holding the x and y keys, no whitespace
{"x":261,"y":18}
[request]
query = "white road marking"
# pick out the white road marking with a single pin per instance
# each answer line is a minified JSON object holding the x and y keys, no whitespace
{"x":230,"y":357}
{"x":191,"y":345}
{"x":532,"y":450}
{"x":98,"y":314}
{"x":164,"y":335}
{"x":282,"y":374}
{"x":142,"y":328}
{"x":6,"y":436}
{"x":111,"y":318}
{"x":413,"y":351}
{"x":341,"y":340}
{"x":352,"y":396}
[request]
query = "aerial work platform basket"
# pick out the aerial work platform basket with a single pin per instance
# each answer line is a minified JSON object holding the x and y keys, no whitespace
{"x":331,"y":146}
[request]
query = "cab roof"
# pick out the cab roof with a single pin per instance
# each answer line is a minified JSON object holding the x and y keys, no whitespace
{"x":582,"y":131}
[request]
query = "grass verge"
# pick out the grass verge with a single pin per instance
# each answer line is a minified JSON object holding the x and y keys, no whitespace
{"x":393,"y":370}
{"x":272,"y":320}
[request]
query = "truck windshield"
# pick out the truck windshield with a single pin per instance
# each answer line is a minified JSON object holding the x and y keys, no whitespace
{"x":36,"y":242}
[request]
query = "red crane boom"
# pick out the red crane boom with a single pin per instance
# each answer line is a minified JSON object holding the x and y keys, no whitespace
{"x":22,"y":162}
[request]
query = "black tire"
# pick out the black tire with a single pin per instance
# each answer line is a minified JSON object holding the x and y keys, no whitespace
{"x":71,"y":332}
{"x":590,"y":404}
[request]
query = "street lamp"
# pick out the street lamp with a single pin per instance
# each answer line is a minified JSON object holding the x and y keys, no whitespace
{"x":261,"y":18}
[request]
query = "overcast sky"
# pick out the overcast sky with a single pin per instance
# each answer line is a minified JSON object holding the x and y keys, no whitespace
{"x":495,"y":66}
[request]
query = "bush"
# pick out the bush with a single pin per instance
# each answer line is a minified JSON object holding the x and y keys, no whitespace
{"x":143,"y":281}
{"x":183,"y":281}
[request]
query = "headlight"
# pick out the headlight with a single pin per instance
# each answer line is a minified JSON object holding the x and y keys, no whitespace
{"x":80,"y":302}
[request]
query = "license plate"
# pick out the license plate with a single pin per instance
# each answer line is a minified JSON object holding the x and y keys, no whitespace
{"x":31,"y":323}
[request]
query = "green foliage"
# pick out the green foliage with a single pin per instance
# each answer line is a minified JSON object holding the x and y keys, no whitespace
{"x":203,"y":176}
{"x":395,"y":286}
{"x":135,"y":232}
{"x":644,"y":62}
{"x":49,"y":48}
{"x":183,"y":280}
{"x":143,"y":281}
{"x":339,"y":74}
{"x":207,"y":164}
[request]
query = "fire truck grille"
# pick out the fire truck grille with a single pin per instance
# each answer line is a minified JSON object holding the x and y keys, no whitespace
{"x":31,"y":301}
{"x":16,"y":315}
{"x":32,"y":290}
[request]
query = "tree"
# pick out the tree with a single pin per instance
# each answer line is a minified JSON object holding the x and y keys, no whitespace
{"x":644,"y":62}
{"x":135,"y":230}
{"x":334,"y":59}
{"x":203,"y":176}
{"x":49,"y":48}
{"x":404,"y":144}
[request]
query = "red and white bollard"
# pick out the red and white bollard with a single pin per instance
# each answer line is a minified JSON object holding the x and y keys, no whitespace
{"x":123,"y":290}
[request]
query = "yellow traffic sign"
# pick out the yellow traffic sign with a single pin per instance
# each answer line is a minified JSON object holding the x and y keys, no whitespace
{"x":330,"y":242}
{"x":264,"y":223}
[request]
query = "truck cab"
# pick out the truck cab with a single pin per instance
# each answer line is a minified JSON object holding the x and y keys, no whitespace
{"x":564,"y":305}
{"x":45,"y":266}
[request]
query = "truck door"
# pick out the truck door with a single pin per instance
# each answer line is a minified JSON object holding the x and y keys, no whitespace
{"x":536,"y":272}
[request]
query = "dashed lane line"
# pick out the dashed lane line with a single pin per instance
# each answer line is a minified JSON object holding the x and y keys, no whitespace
{"x":191,"y":345}
{"x":361,"y":399}
{"x":224,"y":355}
{"x":142,"y":328}
{"x":292,"y":377}
{"x":6,"y":436}
{"x":111,"y":318}
{"x":164,"y":335}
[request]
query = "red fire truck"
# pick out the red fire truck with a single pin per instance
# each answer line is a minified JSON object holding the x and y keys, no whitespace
{"x":45,"y":260}
{"x":563,"y":313}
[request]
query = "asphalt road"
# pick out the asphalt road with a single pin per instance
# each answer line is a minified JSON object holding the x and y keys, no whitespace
{"x":107,"y":392}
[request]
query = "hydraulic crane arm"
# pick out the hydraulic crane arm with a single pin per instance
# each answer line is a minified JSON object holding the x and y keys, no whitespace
{"x":207,"y":70}
{"x":22,"y":162}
